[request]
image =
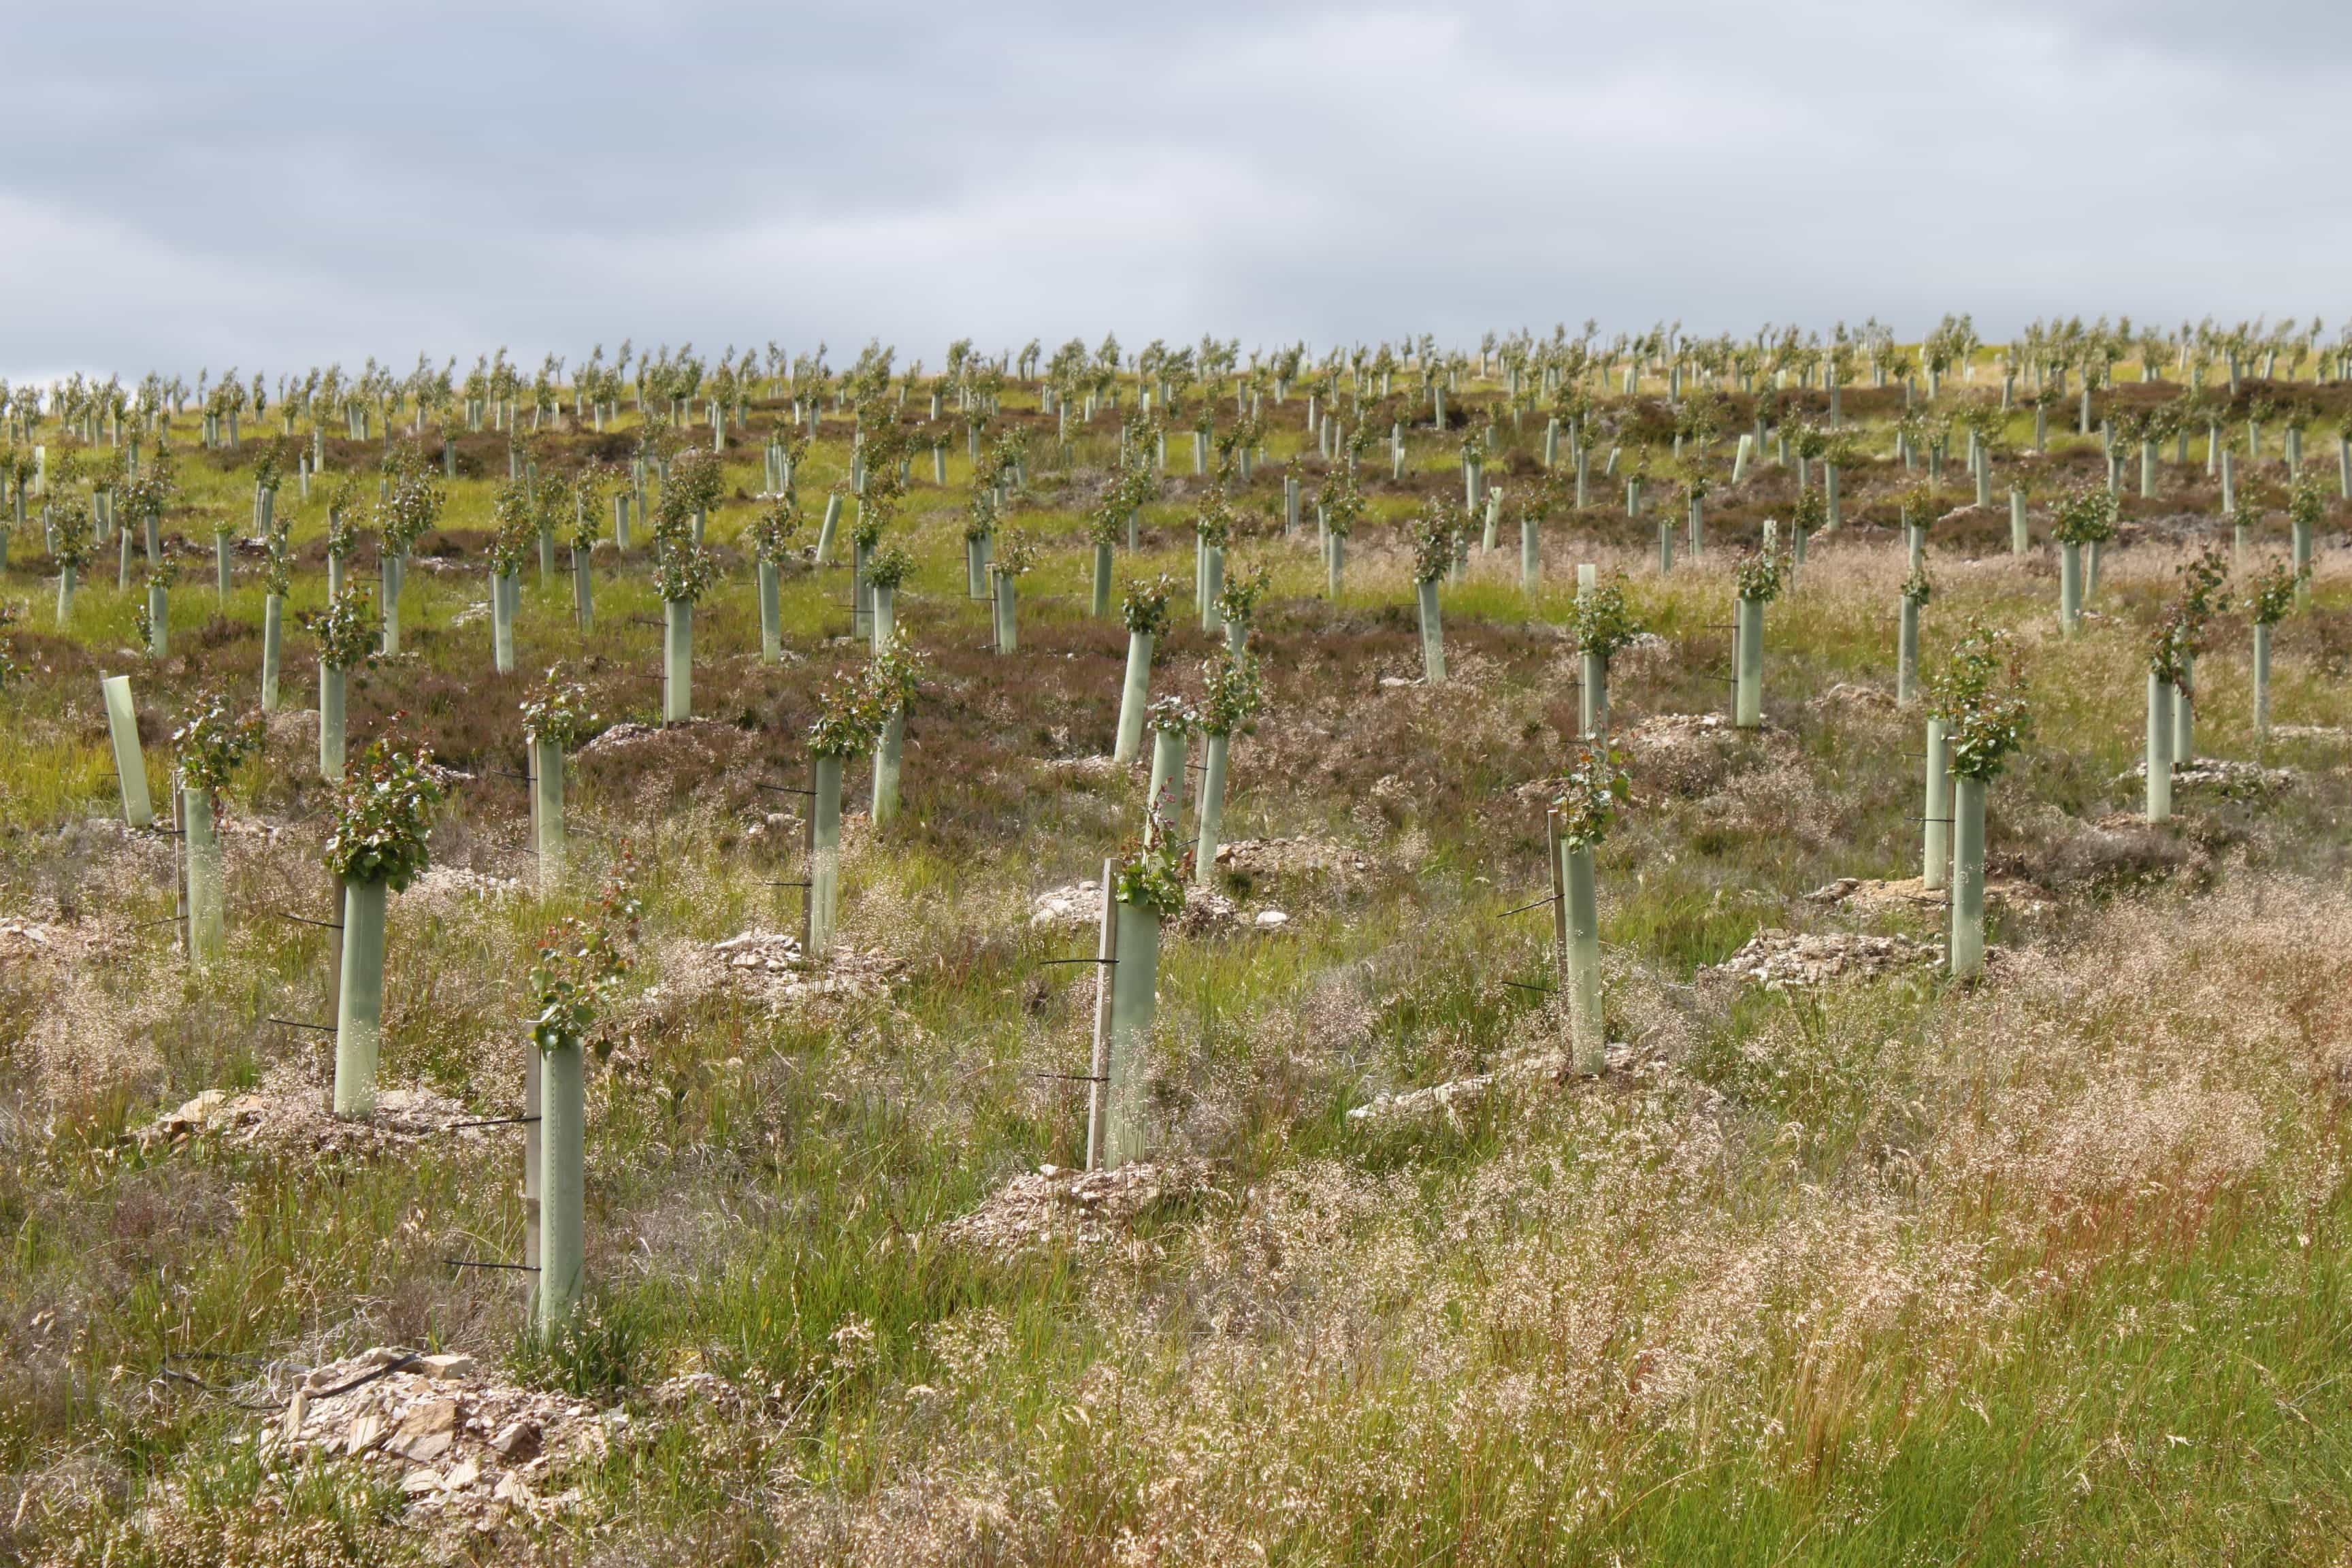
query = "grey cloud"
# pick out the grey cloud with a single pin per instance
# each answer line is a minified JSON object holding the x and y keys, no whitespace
{"x":276,"y":184}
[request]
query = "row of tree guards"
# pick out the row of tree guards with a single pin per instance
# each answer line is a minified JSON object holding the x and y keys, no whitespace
{"x":384,"y":803}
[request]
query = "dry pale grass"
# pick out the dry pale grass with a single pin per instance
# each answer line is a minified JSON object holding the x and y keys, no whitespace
{"x":1510,"y":1344}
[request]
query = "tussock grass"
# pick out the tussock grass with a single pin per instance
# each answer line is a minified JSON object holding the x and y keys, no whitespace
{"x":2048,"y":1269}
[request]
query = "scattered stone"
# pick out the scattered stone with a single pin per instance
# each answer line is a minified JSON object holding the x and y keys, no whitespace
{"x":1058,"y":1206}
{"x":469,"y":1450}
{"x":2228,"y":775}
{"x":2309,"y":733}
{"x":1079,"y":905}
{"x":1791,"y":961}
{"x":772,"y":952}
{"x":1450,"y":1100}
{"x":1271,"y":920}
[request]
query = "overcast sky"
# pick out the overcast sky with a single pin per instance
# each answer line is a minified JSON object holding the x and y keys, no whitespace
{"x":280,"y":184}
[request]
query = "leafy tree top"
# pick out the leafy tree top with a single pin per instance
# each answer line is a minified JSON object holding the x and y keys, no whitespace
{"x":383,"y":816}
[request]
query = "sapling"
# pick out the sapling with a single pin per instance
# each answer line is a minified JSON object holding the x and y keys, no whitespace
{"x":1140,"y":889}
{"x":2270,"y":596}
{"x":587,"y":496}
{"x":1533,"y":508}
{"x":145,"y":499}
{"x":153,"y":617}
{"x":2306,"y":504}
{"x":555,"y":720}
{"x":1172,"y":723}
{"x":1604,"y":624}
{"x":865,"y":539}
{"x":886,"y":567}
{"x":1102,"y":533}
{"x":1805,"y":519}
{"x":406,"y":512}
{"x":223,"y":548}
{"x":1918,"y":508}
{"x":691,"y":489}
{"x":1437,"y":539}
{"x":1986,"y":719}
{"x":1584,"y":806}
{"x":71,"y":548}
{"x":1340,"y":508}
{"x":1916,"y":590}
{"x":510,"y":514}
{"x":2084,"y":517}
{"x":1237,"y":604}
{"x":211,"y":740}
{"x":683,"y":572}
{"x":383,"y":813}
{"x":848,"y":721}
{"x":1697,"y":483}
{"x":1015,"y":557}
{"x":277,"y":577}
{"x":346,"y":636}
{"x":2245,"y":519}
{"x":893,"y":677}
{"x":772,"y":532}
{"x":1213,"y":530}
{"x":581,"y":963}
{"x":979,"y":540}
{"x":1757,"y":582}
{"x":1231,"y":697}
{"x":1146,"y":614}
{"x":342,"y":540}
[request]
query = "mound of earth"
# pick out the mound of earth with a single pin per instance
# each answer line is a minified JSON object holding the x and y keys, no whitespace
{"x":771,"y":964}
{"x":1850,"y":694}
{"x":1695,"y":754}
{"x":32,"y":941}
{"x":1792,"y":961}
{"x":304,"y":1119}
{"x":1078,"y":907}
{"x":1279,"y":859}
{"x":1869,"y":893}
{"x":1058,"y":1206}
{"x":628,"y":735}
{"x":1080,"y":767}
{"x":459,"y":882}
